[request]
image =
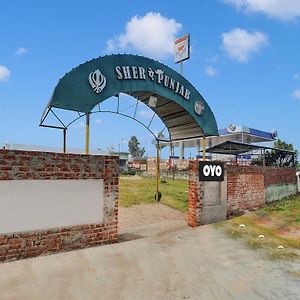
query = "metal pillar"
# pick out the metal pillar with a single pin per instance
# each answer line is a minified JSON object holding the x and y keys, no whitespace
{"x":198,"y":148}
{"x":203,"y":148}
{"x":64,"y":140}
{"x":181,"y":150}
{"x":157,"y":194}
{"x":87,"y":134}
{"x":171,"y":161}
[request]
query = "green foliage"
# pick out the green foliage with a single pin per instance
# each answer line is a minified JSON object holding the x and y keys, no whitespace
{"x":130,"y":172}
{"x":277,"y":158}
{"x":140,"y":190}
{"x":287,"y":209}
{"x":271,"y":221}
{"x":134,"y":147}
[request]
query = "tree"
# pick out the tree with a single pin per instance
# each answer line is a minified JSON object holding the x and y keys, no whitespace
{"x":134,"y":149}
{"x":278,"y":158}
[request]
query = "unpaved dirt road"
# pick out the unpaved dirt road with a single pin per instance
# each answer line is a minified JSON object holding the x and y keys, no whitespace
{"x":180,"y":263}
{"x":148,"y":220}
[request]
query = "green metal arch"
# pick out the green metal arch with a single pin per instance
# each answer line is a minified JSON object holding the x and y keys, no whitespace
{"x":75,"y":92}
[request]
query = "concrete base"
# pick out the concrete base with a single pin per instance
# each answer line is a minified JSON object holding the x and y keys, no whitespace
{"x":213,"y":214}
{"x":279,"y":191}
{"x":214,"y":202}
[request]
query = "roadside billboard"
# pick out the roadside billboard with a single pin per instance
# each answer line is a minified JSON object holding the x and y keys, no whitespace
{"x":182,"y":48}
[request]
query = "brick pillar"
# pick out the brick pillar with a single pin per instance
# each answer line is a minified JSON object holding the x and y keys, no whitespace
{"x":195,"y":195}
{"x":206,"y":199}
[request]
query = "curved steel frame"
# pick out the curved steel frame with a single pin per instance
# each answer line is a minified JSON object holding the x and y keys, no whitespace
{"x":64,"y":126}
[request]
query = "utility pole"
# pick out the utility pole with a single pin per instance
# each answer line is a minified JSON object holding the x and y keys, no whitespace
{"x":64,"y":140}
{"x":87,"y":134}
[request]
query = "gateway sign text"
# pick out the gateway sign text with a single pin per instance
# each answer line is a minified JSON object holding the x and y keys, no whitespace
{"x":211,"y":171}
{"x":157,"y":75}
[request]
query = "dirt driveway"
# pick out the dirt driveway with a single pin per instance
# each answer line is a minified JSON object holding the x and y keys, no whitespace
{"x":177,"y":263}
{"x":147,"y":220}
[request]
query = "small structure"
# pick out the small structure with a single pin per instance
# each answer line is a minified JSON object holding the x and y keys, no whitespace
{"x":235,"y":149}
{"x":123,"y":159}
{"x":242,"y":189}
{"x":240,"y":134}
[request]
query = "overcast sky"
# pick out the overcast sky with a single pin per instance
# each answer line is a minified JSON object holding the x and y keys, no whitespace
{"x":245,"y":61}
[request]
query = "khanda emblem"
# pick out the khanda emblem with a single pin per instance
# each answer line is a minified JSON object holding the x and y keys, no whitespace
{"x":97,"y":81}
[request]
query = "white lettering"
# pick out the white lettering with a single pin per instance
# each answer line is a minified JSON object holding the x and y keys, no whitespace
{"x":160,"y":75}
{"x":126,"y":72}
{"x":181,"y":91}
{"x":166,"y":81}
{"x":151,"y":73}
{"x":206,"y":170}
{"x":134,"y":72}
{"x":187,"y":94}
{"x":212,"y":170}
{"x":177,"y":87}
{"x":172,"y":84}
{"x":119,"y":73}
{"x":218,"y":171}
{"x":142,"y":73}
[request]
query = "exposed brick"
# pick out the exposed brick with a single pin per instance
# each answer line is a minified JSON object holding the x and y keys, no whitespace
{"x":279,"y":175}
{"x":246,"y":188}
{"x":28,"y":165}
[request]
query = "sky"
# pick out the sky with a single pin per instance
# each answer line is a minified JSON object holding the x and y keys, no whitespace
{"x":244,"y":61}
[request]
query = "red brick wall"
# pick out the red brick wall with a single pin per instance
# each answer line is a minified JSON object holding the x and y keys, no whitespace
{"x":279,"y":175}
{"x":195,"y":195}
{"x":181,"y":165}
{"x":23,"y":165}
{"x":245,"y":189}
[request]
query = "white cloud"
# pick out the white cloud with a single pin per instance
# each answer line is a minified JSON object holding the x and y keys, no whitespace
{"x":4,"y":73}
{"x":213,"y":59}
{"x":148,"y":114}
{"x":210,"y":71}
{"x":297,"y":76}
{"x":239,"y":44}
{"x":281,"y":9}
{"x":98,"y":121}
{"x":21,"y":51}
{"x":152,"y":35}
{"x":296,"y":94}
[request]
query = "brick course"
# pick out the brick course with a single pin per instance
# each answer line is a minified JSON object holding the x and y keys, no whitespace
{"x":195,"y":195}
{"x":275,"y":175}
{"x":25,"y":165}
{"x":246,"y":188}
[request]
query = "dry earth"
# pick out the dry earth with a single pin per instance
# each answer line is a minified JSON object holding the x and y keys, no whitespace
{"x":172,"y":262}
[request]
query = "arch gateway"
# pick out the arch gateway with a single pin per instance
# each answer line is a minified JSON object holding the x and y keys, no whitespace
{"x":52,"y":202}
{"x":181,"y":108}
{"x":169,"y":95}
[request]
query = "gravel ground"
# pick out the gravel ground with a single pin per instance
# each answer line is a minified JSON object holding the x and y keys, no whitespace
{"x":147,"y":220}
{"x":172,"y":262}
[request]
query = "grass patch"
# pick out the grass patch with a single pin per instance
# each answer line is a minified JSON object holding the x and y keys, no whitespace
{"x":275,"y":221}
{"x":140,"y":190}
